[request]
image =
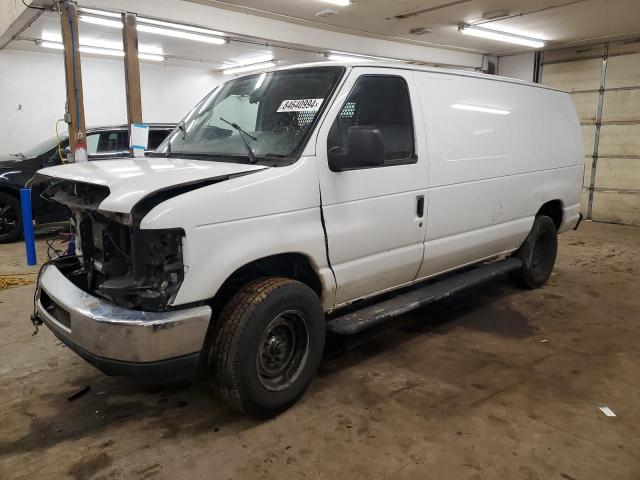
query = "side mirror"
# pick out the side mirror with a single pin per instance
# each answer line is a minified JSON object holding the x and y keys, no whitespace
{"x":365,"y":148}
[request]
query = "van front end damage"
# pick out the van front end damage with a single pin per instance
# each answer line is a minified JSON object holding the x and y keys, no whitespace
{"x":132,"y":267}
{"x":111,"y":302}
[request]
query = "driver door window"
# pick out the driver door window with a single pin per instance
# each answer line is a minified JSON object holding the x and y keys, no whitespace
{"x":383,"y":102}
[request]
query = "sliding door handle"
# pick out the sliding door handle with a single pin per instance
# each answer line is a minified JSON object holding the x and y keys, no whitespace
{"x":420,"y":206}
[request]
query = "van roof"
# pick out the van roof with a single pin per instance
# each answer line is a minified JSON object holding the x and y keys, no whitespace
{"x":419,"y":68}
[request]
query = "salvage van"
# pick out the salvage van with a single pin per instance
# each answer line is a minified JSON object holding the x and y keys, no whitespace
{"x":287,"y":202}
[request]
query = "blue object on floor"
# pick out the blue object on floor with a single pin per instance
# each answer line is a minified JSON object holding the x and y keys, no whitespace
{"x":27,"y":226}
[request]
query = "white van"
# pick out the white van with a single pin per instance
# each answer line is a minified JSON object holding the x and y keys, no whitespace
{"x":287,"y":195}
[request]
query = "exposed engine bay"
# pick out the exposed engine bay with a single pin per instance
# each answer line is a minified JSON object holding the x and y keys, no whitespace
{"x":132,"y":267}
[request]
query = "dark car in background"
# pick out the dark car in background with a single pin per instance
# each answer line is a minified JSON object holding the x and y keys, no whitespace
{"x":103,"y":143}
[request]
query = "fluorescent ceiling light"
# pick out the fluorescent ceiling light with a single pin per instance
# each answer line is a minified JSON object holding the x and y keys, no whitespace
{"x":57,"y":46}
{"x":151,"y":57}
{"x":248,"y":68}
{"x":101,"y":51}
{"x":106,"y":22}
{"x":180,"y":34}
{"x":151,"y":21}
{"x":500,"y":36}
{"x":112,"y":52}
{"x":350,"y":57}
{"x":173,"y":32}
{"x":337,"y":57}
{"x":179,"y":26}
{"x":340,"y":3}
{"x":473,"y":108}
{"x":104,"y":13}
{"x":100,"y":43}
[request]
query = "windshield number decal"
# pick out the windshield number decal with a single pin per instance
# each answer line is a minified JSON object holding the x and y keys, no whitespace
{"x":302,"y":105}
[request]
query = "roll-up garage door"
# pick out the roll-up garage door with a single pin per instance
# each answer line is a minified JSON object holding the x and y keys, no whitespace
{"x":604,"y":82}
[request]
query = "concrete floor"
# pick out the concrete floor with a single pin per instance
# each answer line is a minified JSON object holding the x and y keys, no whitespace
{"x":501,"y":384}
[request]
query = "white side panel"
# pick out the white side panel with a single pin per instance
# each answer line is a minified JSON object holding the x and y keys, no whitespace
{"x":233,"y":223}
{"x":217,"y":250}
{"x":516,"y":128}
{"x":497,"y":153}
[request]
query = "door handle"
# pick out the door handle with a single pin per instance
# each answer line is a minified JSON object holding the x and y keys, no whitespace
{"x":420,"y":206}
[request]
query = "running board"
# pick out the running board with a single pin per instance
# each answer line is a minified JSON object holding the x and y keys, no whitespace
{"x":372,"y":315}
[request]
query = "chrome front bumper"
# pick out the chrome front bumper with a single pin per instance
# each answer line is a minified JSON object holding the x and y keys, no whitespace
{"x":98,"y":329}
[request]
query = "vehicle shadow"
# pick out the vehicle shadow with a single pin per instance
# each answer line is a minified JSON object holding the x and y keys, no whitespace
{"x":481,"y":309}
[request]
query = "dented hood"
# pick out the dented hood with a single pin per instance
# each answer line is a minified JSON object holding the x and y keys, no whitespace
{"x":129,"y":181}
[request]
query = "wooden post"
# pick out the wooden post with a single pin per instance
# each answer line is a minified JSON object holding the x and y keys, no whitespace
{"x":73,"y":76}
{"x":131,"y":69}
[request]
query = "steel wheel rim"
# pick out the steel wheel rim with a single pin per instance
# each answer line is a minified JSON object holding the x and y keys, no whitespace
{"x":283,"y":350}
{"x":8,"y":219}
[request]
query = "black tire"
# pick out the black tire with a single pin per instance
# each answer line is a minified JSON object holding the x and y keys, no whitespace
{"x":266,"y":346}
{"x":10,"y":218}
{"x":538,"y":254}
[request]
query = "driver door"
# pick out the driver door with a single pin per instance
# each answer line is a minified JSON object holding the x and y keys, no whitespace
{"x":375,"y":218}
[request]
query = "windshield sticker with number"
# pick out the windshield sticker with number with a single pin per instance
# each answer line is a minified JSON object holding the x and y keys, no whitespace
{"x":301,"y":105}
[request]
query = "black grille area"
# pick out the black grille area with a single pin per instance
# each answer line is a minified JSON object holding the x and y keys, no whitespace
{"x":133,"y":268}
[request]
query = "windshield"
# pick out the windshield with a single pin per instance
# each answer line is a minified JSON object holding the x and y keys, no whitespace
{"x":43,"y":147}
{"x":270,"y":113}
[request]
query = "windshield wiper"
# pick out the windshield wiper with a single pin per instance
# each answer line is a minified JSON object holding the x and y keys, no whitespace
{"x":252,"y":156}
{"x":18,"y":155}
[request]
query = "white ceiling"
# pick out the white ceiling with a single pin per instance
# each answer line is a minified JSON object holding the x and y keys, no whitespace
{"x":560,"y":22}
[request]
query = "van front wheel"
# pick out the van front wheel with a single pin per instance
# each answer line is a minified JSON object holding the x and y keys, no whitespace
{"x":266,"y":346}
{"x":538,"y":254}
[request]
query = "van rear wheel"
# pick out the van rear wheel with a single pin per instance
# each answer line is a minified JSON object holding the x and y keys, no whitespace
{"x":538,"y":254}
{"x":266,"y":346}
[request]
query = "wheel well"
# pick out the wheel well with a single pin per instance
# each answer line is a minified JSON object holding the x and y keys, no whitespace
{"x":291,"y":265}
{"x":553,"y":210}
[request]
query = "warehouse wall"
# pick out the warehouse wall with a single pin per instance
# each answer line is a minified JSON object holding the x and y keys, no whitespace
{"x":32,"y":94}
{"x":604,"y":81}
{"x":517,"y":66}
